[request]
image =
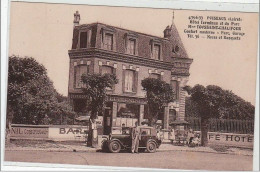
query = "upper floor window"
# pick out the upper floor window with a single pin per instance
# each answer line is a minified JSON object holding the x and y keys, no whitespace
{"x":78,"y":72}
{"x":83,"y":40}
{"x":155,"y":76}
{"x":131,"y":46}
{"x":108,"y":41}
{"x":156,"y":52}
{"x":175,"y":87}
{"x":129,"y":81}
{"x":106,"y":70}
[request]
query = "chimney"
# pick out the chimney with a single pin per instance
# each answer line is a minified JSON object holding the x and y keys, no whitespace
{"x":76,"y":18}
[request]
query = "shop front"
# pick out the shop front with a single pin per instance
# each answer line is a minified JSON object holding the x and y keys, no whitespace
{"x":122,"y":112}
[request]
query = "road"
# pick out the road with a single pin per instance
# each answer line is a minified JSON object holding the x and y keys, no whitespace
{"x":168,"y":160}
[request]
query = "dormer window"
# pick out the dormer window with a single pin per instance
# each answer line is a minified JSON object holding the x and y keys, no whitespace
{"x":131,"y":46}
{"x":108,"y":41}
{"x":131,"y":43}
{"x":156,"y":49}
{"x":156,"y":52}
{"x":83,"y":39}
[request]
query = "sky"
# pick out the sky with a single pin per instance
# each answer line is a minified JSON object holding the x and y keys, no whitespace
{"x":44,"y":31}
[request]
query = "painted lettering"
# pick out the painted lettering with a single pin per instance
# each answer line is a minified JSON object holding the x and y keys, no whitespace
{"x":210,"y":136}
{"x":62,"y":131}
{"x":70,"y":130}
{"x":229,"y":136}
{"x":243,"y":138}
{"x":237,"y":138}
{"x":217,"y":137}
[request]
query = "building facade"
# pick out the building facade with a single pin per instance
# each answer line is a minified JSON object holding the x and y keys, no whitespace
{"x":131,"y":56}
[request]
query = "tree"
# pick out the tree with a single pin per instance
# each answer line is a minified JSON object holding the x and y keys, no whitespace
{"x":31,"y":95}
{"x":94,"y":88}
{"x":214,"y":102}
{"x":237,"y":108}
{"x":158,"y":94}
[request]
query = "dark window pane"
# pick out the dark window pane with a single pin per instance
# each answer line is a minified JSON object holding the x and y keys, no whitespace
{"x":128,"y":110}
{"x":83,"y":40}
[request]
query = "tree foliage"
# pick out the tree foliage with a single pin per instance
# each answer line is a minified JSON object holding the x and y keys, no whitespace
{"x":31,"y":95}
{"x":231,"y":106}
{"x":158,"y":93}
{"x":214,"y":102}
{"x":95,"y":89}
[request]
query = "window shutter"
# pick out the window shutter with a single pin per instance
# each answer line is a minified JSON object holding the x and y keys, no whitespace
{"x":135,"y":85}
{"x":123,"y":81}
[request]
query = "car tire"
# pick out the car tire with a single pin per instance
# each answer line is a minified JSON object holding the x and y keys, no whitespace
{"x":151,"y":146}
{"x":114,"y":147}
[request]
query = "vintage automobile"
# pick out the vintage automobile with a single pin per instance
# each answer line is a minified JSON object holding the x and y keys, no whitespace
{"x":116,"y":142}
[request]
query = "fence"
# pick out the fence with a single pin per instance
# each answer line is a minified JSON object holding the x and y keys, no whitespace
{"x":224,"y":125}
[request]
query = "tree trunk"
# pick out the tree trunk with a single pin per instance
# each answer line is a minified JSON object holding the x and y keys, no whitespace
{"x":204,"y":132}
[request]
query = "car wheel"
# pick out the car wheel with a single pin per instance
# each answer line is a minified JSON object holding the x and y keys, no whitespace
{"x":114,"y":147}
{"x":151,"y":147}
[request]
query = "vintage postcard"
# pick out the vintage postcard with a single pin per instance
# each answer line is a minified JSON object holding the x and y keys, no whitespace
{"x":133,"y":88}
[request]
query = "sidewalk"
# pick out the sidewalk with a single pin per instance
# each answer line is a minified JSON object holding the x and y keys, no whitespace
{"x":81,"y":147}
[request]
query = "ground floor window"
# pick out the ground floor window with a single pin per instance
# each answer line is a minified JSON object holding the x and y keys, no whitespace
{"x":125,"y":110}
{"x":172,"y":115}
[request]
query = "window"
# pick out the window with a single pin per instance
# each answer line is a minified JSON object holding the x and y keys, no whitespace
{"x":156,"y":52}
{"x":128,"y":110}
{"x":155,"y":76}
{"x":78,"y":72}
{"x":106,"y":69}
{"x":172,"y":115}
{"x":129,"y":80}
{"x":131,"y":46}
{"x":108,"y":41}
{"x":83,"y":40}
{"x":175,"y":87}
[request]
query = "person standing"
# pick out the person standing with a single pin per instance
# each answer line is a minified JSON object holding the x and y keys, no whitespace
{"x":172,"y":135}
{"x":135,"y":139}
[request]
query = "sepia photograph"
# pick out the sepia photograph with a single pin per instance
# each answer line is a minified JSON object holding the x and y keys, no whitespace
{"x":171,"y":89}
